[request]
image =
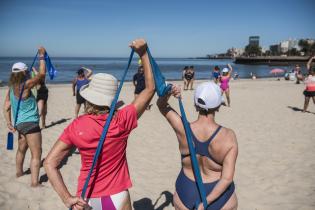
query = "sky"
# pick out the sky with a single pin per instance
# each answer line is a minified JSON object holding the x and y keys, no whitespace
{"x":172,"y":28}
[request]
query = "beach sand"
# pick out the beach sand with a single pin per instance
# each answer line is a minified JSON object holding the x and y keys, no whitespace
{"x":275,"y":167}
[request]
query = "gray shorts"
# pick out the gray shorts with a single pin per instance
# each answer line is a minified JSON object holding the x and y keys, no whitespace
{"x":28,"y":128}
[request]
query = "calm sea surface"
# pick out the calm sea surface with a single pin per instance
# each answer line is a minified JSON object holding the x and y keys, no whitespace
{"x":170,"y":67}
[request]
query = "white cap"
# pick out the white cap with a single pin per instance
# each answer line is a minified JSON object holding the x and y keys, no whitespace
{"x":101,"y":90}
{"x":225,"y":70}
{"x":208,"y":95}
{"x":19,"y":67}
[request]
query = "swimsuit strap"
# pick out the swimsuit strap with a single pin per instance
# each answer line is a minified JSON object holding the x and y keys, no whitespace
{"x":214,"y":134}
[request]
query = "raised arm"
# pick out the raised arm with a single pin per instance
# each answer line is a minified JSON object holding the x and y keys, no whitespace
{"x":89,"y":72}
{"x":52,"y":161}
{"x":227,"y":170}
{"x":309,"y":63}
{"x":7,"y":111}
{"x":170,"y":114}
{"x":231,"y":69}
{"x":144,"y":98}
{"x":42,"y":70}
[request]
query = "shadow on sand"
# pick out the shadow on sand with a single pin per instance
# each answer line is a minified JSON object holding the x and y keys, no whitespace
{"x":146,"y":203}
{"x":58,"y":122}
{"x":296,"y":109}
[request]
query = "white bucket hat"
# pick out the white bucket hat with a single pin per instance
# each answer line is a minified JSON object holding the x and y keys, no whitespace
{"x":225,"y":70}
{"x":208,"y":95}
{"x":101,"y":90}
{"x":19,"y":67}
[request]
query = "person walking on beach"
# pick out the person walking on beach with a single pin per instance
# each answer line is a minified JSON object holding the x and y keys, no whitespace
{"x":189,"y":75}
{"x":111,"y":179}
{"x":27,"y":125}
{"x":215,"y":146}
{"x":224,"y":80}
{"x":41,"y":98}
{"x":184,"y":78}
{"x":298,"y":73}
{"x":81,"y":80}
{"x":216,"y":74}
{"x":139,"y":83}
{"x":309,"y":91}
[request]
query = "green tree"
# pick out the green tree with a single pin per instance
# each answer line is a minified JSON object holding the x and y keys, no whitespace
{"x":293,"y":52}
{"x":305,"y":46}
{"x":253,"y":50}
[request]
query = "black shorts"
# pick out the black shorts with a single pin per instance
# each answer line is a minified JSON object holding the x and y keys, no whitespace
{"x":309,"y":93}
{"x":80,"y":99}
{"x":42,"y":94}
{"x":28,"y":128}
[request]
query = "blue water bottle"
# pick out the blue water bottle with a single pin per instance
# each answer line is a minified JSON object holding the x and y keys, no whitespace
{"x":10,"y":141}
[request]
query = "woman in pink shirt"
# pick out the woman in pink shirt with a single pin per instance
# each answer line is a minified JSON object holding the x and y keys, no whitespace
{"x":110,"y":180}
{"x":309,"y":91}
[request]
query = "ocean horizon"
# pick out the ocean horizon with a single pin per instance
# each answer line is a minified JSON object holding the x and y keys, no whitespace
{"x":170,"y":67}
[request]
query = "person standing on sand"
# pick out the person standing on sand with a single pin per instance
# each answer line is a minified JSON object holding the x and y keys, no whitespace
{"x":309,"y":91}
{"x":298,"y":74}
{"x":77,"y":83}
{"x":184,"y":78}
{"x":216,"y":74}
{"x":224,"y":80}
{"x":139,"y":83}
{"x":41,"y":98}
{"x":215,"y":146}
{"x":27,"y":123}
{"x":189,"y":75}
{"x":111,"y":179}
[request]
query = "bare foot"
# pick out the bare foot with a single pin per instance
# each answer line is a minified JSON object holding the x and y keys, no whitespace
{"x":18,"y":174}
{"x":37,"y":185}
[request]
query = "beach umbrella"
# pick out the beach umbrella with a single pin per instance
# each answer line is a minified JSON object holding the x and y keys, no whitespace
{"x":277,"y":71}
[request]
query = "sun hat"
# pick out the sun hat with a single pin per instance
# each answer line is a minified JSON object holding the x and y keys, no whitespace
{"x":225,"y":70}
{"x":101,"y":90}
{"x":208,"y":95}
{"x":19,"y":67}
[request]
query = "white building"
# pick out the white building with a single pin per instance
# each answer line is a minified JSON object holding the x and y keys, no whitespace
{"x":284,"y":46}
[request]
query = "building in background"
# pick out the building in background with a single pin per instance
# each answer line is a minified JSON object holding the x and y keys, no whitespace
{"x":253,"y":41}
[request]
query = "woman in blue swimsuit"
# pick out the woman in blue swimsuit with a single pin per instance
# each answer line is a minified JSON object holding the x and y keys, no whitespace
{"x":216,"y":149}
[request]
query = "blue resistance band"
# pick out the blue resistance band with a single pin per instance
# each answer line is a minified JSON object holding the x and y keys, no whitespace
{"x":108,"y":120}
{"x":162,"y":89}
{"x":201,"y":188}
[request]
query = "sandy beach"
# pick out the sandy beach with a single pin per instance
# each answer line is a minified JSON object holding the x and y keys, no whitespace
{"x":275,"y":168}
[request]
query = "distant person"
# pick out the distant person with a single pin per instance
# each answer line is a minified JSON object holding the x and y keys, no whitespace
{"x":41,"y":98}
{"x":309,"y":91}
{"x":236,"y":76}
{"x":81,"y":80}
{"x":215,"y":146}
{"x":216,"y":74}
{"x":27,"y":124}
{"x":189,"y":78}
{"x":139,"y":83}
{"x":224,"y":80}
{"x":298,"y":73}
{"x":184,"y":78}
{"x":309,"y":63}
{"x":111,"y":178}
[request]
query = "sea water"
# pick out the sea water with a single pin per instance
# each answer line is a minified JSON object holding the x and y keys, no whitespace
{"x":171,"y":67}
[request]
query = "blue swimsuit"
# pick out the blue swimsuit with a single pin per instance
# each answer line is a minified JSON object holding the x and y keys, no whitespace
{"x":187,"y":189}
